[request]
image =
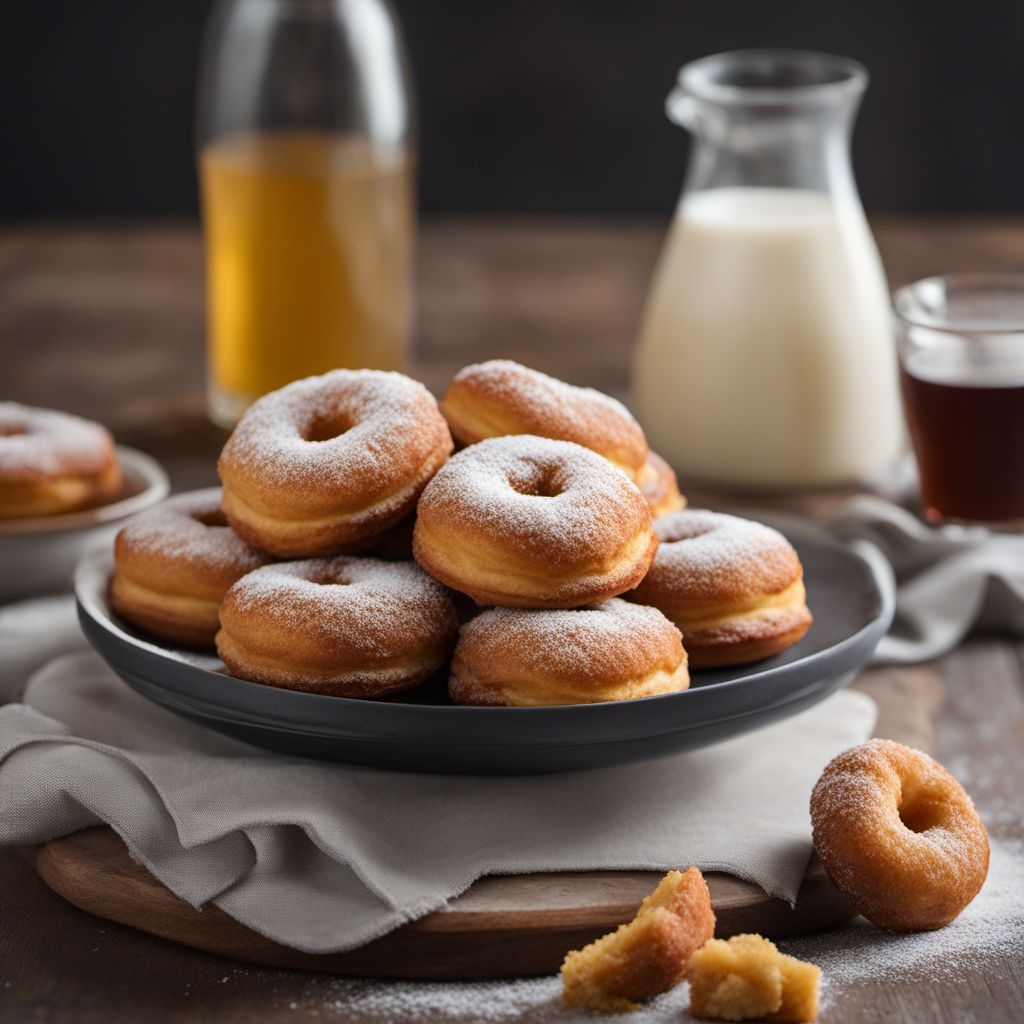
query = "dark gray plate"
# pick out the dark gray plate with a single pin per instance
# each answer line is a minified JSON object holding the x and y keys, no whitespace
{"x":852,"y":610}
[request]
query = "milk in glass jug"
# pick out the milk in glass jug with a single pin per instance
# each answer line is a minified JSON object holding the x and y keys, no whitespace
{"x":765,"y":357}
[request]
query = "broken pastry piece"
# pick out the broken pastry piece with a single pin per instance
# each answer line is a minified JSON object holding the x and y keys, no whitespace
{"x":747,"y":978}
{"x":648,"y":955}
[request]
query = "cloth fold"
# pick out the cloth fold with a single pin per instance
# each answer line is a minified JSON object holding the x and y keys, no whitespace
{"x":951,"y":580}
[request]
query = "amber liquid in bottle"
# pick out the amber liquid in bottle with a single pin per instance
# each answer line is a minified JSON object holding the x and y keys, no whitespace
{"x":969,"y":442}
{"x":309,"y":248}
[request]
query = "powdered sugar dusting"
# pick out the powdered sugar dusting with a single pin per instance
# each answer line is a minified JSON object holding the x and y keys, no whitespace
{"x":43,"y":442}
{"x":552,"y":408}
{"x":550,"y":497}
{"x":365,"y":603}
{"x":352,"y":428}
{"x":191,"y":528}
{"x":615,"y":639}
{"x":705,"y":552}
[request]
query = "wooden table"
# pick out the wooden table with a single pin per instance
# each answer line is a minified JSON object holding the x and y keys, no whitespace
{"x":109,"y":323}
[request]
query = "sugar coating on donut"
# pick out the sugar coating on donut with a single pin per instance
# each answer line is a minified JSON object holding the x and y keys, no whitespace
{"x":707,"y":553}
{"x":898,"y":835}
{"x":366,"y":604}
{"x":190,"y":528}
{"x":488,"y":487}
{"x":38,"y":443}
{"x":278,"y":439}
{"x":612,"y":640}
{"x":502,"y":397}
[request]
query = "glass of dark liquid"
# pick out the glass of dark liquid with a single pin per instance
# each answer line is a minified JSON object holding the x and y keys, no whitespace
{"x":961,"y":349}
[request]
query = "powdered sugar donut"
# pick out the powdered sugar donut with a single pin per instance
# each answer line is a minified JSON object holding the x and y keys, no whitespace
{"x":528,"y":657}
{"x":530,"y":522}
{"x":501,"y":397}
{"x":173,"y":565}
{"x":734,"y":587}
{"x":351,"y":627}
{"x":52,"y":463}
{"x":328,"y":463}
{"x":898,"y":836}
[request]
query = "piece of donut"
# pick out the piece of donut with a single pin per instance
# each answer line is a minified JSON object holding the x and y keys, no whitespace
{"x":734,"y":587}
{"x":747,"y":978}
{"x":646,"y":956}
{"x":660,"y":487}
{"x":501,"y":397}
{"x":525,"y":657}
{"x":174,"y":563}
{"x":345,"y":626}
{"x":529,"y":522}
{"x":328,"y":463}
{"x":52,"y":463}
{"x":898,"y":836}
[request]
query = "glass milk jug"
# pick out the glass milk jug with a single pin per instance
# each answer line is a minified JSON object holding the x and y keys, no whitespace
{"x":765,"y":358}
{"x":306,"y":159}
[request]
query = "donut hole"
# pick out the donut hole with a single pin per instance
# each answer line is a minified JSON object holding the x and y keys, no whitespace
{"x":917,"y":816}
{"x":327,"y":427}
{"x":13,"y":429}
{"x":546,"y":482}
{"x":210,"y":517}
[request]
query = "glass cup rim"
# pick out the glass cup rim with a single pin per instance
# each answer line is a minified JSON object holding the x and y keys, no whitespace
{"x":907,"y":306}
{"x":698,"y":77}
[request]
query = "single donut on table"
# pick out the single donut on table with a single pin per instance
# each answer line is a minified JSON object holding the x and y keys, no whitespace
{"x":345,"y":626}
{"x":898,"y":836}
{"x":174,"y":563}
{"x":660,"y":487}
{"x":734,"y":587}
{"x":501,"y":397}
{"x":529,"y":522}
{"x":53,"y":463}
{"x":525,"y":657}
{"x":326,"y":464}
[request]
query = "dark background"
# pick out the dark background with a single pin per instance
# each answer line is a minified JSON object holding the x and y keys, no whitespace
{"x":525,"y":105}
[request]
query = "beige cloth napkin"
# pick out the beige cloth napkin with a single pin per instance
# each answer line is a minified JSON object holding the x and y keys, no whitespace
{"x":322,"y":857}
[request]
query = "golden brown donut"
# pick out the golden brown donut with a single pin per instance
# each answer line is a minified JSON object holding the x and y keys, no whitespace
{"x":660,"y":487}
{"x":51,"y":463}
{"x":530,"y":522}
{"x":898,"y":836}
{"x":501,"y":397}
{"x":328,"y":463}
{"x":173,"y":565}
{"x":734,"y":587}
{"x":525,"y":657}
{"x":345,"y":626}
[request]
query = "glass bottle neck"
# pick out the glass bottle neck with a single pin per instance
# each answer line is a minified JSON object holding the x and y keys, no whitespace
{"x":769,"y":119}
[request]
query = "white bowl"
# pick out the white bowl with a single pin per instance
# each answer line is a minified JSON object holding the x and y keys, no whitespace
{"x":38,"y":555}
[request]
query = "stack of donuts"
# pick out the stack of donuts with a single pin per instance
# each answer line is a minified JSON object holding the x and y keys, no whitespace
{"x":349,"y":542}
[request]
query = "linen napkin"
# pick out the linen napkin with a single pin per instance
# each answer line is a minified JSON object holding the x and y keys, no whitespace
{"x":324,"y":858}
{"x":950,"y":580}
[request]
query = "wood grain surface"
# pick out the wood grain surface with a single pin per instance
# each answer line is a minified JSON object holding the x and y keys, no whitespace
{"x":109,"y":323}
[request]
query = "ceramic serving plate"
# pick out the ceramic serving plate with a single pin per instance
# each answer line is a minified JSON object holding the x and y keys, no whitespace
{"x":422,"y":732}
{"x":39,"y":555}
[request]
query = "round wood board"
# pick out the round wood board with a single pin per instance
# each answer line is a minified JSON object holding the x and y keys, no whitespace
{"x":502,"y":926}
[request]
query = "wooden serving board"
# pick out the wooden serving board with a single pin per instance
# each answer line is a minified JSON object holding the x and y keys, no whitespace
{"x":502,"y":926}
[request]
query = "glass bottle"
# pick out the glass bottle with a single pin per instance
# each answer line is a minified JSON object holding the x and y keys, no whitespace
{"x":306,"y":162}
{"x":765,"y":358}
